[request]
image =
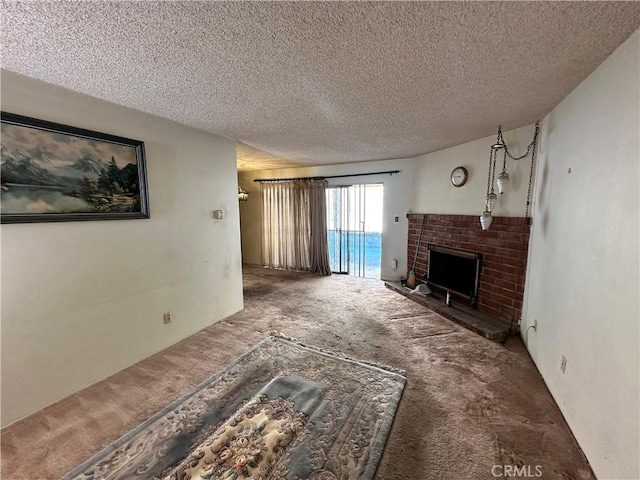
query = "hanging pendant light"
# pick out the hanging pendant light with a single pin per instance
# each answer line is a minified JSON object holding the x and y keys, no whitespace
{"x":492,"y":199}
{"x":502,"y":182}
{"x":503,"y":179}
{"x":485,"y":220}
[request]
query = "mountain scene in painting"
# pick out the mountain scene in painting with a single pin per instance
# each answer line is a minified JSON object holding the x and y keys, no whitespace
{"x":50,"y":172}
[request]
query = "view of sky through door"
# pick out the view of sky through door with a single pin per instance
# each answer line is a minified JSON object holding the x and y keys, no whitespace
{"x":354,"y":224}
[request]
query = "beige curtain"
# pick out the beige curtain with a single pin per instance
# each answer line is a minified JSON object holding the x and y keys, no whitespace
{"x":319,"y":244}
{"x":294,"y":226}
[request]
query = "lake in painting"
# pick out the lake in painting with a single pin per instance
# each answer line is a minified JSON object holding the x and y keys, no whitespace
{"x":41,"y":200}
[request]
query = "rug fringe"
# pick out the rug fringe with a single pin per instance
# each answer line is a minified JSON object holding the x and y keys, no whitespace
{"x":399,"y":371}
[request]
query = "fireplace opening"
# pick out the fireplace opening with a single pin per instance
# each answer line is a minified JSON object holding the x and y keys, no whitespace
{"x":455,"y":270}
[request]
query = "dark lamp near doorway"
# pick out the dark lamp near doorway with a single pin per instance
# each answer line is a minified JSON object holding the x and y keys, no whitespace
{"x":242,"y":195}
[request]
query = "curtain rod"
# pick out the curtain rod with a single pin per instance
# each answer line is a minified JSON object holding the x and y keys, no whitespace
{"x":262,"y":180}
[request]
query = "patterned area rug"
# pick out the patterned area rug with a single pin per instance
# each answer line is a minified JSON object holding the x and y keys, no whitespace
{"x":280,"y":411}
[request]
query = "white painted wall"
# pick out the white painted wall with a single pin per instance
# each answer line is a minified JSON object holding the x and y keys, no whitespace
{"x":432,"y":191}
{"x":82,"y":300}
{"x":582,"y":279}
{"x":396,"y":202}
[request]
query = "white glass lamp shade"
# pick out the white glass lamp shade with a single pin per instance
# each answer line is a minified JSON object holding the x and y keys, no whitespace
{"x":485,"y":220}
{"x":492,"y":199}
{"x":242,"y":195}
{"x":502,"y":182}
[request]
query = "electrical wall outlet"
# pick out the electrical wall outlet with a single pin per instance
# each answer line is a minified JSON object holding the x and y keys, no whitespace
{"x":535,"y":324}
{"x":167,"y":317}
{"x":394,"y":263}
{"x":563,"y":364}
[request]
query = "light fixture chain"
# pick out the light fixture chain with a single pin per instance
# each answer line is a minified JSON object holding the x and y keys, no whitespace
{"x":533,"y":159}
{"x":489,"y":175}
{"x":530,"y":147}
{"x":493,"y":169}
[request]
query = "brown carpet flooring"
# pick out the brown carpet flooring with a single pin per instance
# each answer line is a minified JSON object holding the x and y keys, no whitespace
{"x":469,"y":403}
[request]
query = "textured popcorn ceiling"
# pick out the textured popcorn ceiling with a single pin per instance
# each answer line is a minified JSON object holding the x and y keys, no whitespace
{"x":321,"y":83}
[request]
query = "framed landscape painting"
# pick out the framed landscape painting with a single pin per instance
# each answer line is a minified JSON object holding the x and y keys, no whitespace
{"x":51,"y":173}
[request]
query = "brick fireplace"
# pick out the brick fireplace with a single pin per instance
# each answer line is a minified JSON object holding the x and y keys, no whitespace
{"x":504,"y":256}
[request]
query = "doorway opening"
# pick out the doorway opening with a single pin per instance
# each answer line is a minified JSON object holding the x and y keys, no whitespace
{"x":354,"y":227}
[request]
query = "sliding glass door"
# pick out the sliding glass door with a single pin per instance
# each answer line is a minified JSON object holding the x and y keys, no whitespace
{"x":354,"y":224}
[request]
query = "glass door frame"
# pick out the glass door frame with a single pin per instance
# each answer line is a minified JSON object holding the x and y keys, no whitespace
{"x":346,"y":228}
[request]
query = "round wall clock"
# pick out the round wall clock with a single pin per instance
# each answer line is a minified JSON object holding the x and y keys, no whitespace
{"x":459,"y":176}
